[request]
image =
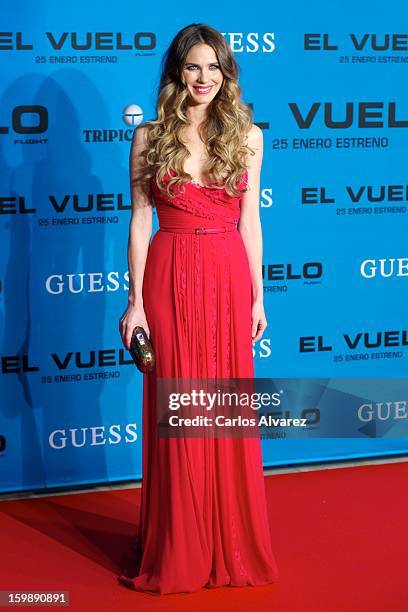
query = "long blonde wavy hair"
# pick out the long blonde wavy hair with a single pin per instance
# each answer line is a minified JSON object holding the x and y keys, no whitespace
{"x":224,"y":130}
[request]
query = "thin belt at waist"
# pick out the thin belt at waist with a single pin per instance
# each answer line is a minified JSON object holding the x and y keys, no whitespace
{"x":198,"y":230}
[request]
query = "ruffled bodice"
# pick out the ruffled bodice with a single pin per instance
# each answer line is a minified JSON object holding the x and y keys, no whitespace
{"x":214,"y":207}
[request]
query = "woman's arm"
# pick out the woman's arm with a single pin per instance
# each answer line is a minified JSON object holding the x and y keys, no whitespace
{"x":140,"y":231}
{"x":140,"y":228}
{"x":250,"y":229}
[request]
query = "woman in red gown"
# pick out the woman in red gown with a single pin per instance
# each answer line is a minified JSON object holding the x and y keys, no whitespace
{"x":197,"y":290}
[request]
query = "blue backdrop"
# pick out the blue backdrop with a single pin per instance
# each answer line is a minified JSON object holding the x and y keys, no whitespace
{"x":328,"y":87}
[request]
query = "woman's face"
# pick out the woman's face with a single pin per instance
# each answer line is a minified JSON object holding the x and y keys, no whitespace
{"x":202,"y":74}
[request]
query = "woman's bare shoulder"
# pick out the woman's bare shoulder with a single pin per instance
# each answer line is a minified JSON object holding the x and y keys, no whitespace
{"x":255,"y":135}
{"x":140,"y":132}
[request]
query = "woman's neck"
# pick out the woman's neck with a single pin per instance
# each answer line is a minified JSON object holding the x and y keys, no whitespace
{"x":196,"y":114}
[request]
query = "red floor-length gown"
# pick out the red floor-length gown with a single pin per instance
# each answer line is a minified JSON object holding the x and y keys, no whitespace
{"x":203,"y":519}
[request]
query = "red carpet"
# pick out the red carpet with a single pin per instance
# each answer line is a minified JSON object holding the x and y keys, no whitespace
{"x":340,"y":539}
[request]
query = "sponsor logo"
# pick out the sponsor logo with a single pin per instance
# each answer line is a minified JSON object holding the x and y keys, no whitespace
{"x":383,"y":411}
{"x":371,"y":268}
{"x":91,"y":282}
{"x":92,"y":436}
{"x":252,"y":42}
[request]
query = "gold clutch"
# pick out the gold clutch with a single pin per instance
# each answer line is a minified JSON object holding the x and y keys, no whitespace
{"x":142,"y":350}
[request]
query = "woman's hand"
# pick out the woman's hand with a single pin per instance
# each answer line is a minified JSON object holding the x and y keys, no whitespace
{"x":133,"y":316}
{"x":259,"y":323}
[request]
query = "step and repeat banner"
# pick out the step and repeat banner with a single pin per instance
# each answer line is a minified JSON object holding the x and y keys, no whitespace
{"x":328,"y":87}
